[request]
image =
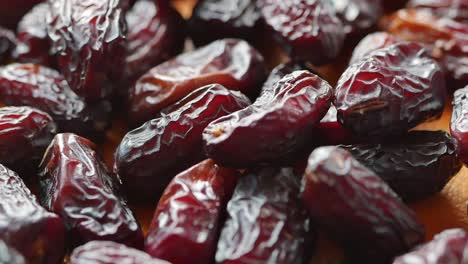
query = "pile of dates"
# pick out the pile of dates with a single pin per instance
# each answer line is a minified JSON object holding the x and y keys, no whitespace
{"x":241,"y":159}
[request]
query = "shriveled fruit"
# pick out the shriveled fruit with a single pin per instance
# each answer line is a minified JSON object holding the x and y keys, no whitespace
{"x":27,"y":227}
{"x":12,"y":12}
{"x":232,"y":63}
{"x":331,"y":132}
{"x":266,"y":220}
{"x":358,"y":15}
{"x":357,"y":208}
{"x":454,"y":9}
{"x":156,"y":32}
{"x":75,"y":184}
{"x":7,"y":44}
{"x":415,"y":166}
{"x":10,"y":255}
{"x":371,"y":43}
{"x":107,"y":252}
{"x":450,"y":246}
{"x":24,"y":135}
{"x":217,"y":19}
{"x":390,"y":91}
{"x":88,"y":38}
{"x":276,"y":128}
{"x":307,"y":29}
{"x":151,"y":155}
{"x":194,"y":202}
{"x":284,"y":69}
{"x":459,"y":122}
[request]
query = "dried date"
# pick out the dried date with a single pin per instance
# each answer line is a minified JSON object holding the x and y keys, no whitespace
{"x":459,"y":124}
{"x":9,"y":255}
{"x":453,"y":9}
{"x":370,"y":43}
{"x":330,"y":131}
{"x":12,"y":12}
{"x":358,"y":15}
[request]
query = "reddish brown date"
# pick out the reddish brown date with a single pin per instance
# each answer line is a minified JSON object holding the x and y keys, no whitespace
{"x":10,"y":255}
{"x":307,"y":29}
{"x":24,"y":135}
{"x":88,"y":38}
{"x":76,"y":184}
{"x":107,"y":252}
{"x":390,"y":91}
{"x":8,"y":42}
{"x":266,"y":221}
{"x":151,"y":155}
{"x":415,"y":166}
{"x":194,"y":202}
{"x":454,"y":9}
{"x":276,"y":128}
{"x":450,"y":246}
{"x":218,"y":19}
{"x":27,"y":227}
{"x":230,"y":62}
{"x":358,"y":15}
{"x":357,"y":208}
{"x":459,"y":124}
{"x":330,"y":131}
{"x":12,"y":12}
{"x":370,"y":43}
{"x":156,"y":32}
{"x":284,"y":69}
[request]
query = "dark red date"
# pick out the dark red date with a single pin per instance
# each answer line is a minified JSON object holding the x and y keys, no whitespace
{"x":358,"y":16}
{"x":12,"y":12}
{"x":284,"y":69}
{"x":266,"y":221}
{"x":453,"y":9}
{"x":262,"y":130}
{"x":390,"y":91}
{"x":151,"y":155}
{"x":370,"y":43}
{"x":10,"y":255}
{"x":357,"y":208}
{"x":76,"y":184}
{"x":230,"y":62}
{"x":194,"y":201}
{"x":330,"y":131}
{"x":27,"y":227}
{"x":459,"y":124}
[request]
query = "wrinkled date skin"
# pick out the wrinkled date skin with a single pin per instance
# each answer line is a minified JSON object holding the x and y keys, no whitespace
{"x":358,"y":15}
{"x":390,"y":91}
{"x":330,"y":131}
{"x":416,"y":166}
{"x":459,"y":122}
{"x":12,"y":12}
{"x":454,"y":9}
{"x":217,"y":19}
{"x":10,"y":255}
{"x":108,"y":252}
{"x":156,"y":33}
{"x":27,"y":227}
{"x":276,"y":128}
{"x":75,"y":184}
{"x":151,"y":155}
{"x":24,"y":135}
{"x":194,"y":201}
{"x":47,"y":90}
{"x":307,"y":29}
{"x":266,"y":221}
{"x":357,"y":208}
{"x":33,"y":44}
{"x":88,"y":38}
{"x":284,"y":69}
{"x":370,"y":43}
{"x":8,"y":42}
{"x":450,"y":246}
{"x":232,"y":63}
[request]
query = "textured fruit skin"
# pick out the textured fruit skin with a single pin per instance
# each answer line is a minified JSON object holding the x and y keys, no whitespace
{"x":45,"y":89}
{"x":151,"y":155}
{"x":450,"y":246}
{"x":284,"y":69}
{"x":415,"y":166}
{"x":459,"y":124}
{"x":230,"y":62}
{"x":8,"y":42}
{"x":330,"y":131}
{"x":33,"y":44}
{"x":35,"y":233}
{"x":356,"y":208}
{"x":358,"y":15}
{"x":156,"y":32}
{"x":10,"y":255}
{"x":266,"y":221}
{"x":12,"y":12}
{"x":194,"y":202}
{"x":307,"y":29}
{"x":24,"y":135}
{"x":76,"y":184}
{"x":108,"y":252}
{"x":275,"y":128}
{"x":390,"y":91}
{"x":88,"y":38}
{"x":371,"y":43}
{"x":453,"y":9}
{"x":218,"y":19}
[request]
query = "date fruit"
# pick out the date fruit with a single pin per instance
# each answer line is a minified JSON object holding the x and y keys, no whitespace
{"x":76,"y":184}
{"x":12,"y":12}
{"x":27,"y":227}
{"x":262,"y":130}
{"x":151,"y":155}
{"x":307,"y":29}
{"x":230,"y":62}
{"x":358,"y":15}
{"x":194,"y":202}
{"x":390,"y":91}
{"x":370,"y":43}
{"x":415,"y":166}
{"x":9,"y":255}
{"x":357,"y":208}
{"x":459,"y":124}
{"x":266,"y":220}
{"x":218,"y":19}
{"x":453,"y":9}
{"x":284,"y":69}
{"x":88,"y":38}
{"x":450,"y":246}
{"x":330,"y":131}
{"x":108,"y":252}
